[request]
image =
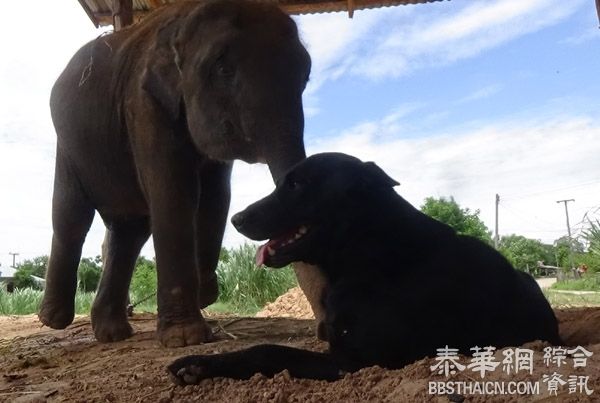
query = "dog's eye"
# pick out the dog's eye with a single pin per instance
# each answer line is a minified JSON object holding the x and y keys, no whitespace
{"x":295,"y":184}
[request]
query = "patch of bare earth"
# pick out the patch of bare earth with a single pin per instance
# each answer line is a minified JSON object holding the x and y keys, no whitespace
{"x":38,"y":364}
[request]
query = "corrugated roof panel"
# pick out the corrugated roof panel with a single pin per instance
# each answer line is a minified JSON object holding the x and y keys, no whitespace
{"x":101,"y":10}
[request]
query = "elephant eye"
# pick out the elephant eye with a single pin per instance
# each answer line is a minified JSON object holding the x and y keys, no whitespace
{"x":223,"y":69}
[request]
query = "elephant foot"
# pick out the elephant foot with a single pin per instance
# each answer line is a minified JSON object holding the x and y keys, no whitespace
{"x":183,"y":334}
{"x":209,"y":289}
{"x":57,"y":315}
{"x":110,"y":328}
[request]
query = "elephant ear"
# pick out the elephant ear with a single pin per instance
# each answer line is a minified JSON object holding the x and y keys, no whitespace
{"x":162,"y":75}
{"x":375,"y":176}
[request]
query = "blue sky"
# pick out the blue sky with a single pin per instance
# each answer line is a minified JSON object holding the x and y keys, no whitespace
{"x":462,"y":98}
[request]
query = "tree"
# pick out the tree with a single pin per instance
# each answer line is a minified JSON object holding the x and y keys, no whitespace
{"x":33,"y":267}
{"x":36,"y":266}
{"x":23,"y":279}
{"x":89,"y":274}
{"x":524,"y":253}
{"x":563,"y":249}
{"x":144,"y":281}
{"x":462,"y":220}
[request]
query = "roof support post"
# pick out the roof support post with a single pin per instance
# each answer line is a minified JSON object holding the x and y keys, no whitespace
{"x":122,"y":13}
{"x":351,"y":8}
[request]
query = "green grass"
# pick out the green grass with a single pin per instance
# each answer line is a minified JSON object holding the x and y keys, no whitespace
{"x":560,"y":300}
{"x":243,"y":288}
{"x":27,"y":301}
{"x":246,"y":288}
{"x":589,"y":282}
{"x":20,"y":302}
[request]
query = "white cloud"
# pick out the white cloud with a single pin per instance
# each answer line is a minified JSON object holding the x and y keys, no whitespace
{"x":530,"y":163}
{"x":393,"y":42}
{"x":451,"y":36}
{"x":329,"y":39}
{"x":481,"y":93}
{"x":472,"y":164}
{"x":582,"y":37}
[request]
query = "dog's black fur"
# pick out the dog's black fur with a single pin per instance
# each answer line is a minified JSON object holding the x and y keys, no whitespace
{"x":401,"y":284}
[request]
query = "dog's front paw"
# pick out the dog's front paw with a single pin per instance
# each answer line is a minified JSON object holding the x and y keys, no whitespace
{"x":190,"y":370}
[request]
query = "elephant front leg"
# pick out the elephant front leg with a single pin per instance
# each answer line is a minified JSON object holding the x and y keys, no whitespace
{"x":211,"y":218}
{"x":173,"y":209}
{"x":313,"y":284}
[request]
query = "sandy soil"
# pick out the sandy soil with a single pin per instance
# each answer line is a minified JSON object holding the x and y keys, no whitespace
{"x":38,"y":364}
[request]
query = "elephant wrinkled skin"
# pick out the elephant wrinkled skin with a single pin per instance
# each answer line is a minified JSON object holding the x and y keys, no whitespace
{"x":149,"y":120}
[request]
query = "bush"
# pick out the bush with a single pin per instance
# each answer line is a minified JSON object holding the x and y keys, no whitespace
{"x":27,"y":301}
{"x":36,"y":266}
{"x":143,"y":284}
{"x":588,"y":282}
{"x":33,"y":267}
{"x":246,"y":288}
{"x":23,"y":280}
{"x":89,"y":273}
{"x":22,"y":301}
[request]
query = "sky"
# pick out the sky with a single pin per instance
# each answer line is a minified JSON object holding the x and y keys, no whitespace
{"x":457,"y":98}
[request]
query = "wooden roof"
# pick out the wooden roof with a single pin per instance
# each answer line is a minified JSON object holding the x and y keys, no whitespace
{"x":101,"y":12}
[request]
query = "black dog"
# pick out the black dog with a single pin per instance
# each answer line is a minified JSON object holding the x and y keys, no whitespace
{"x":401,"y":283}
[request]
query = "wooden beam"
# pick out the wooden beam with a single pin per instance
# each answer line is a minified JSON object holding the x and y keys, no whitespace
{"x":155,"y":4}
{"x":104,"y":17}
{"x":90,"y":13}
{"x":122,"y":13}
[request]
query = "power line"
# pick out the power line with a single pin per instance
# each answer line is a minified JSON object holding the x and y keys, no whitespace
{"x":526,"y":195}
{"x":525,"y":217}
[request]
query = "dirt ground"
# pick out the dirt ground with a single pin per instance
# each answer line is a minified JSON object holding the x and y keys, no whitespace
{"x":39,"y":364}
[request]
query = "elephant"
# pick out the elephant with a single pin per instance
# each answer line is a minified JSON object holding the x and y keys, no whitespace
{"x":149,"y":120}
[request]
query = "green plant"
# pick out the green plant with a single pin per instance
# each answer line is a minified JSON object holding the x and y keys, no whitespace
{"x":89,"y":273}
{"x":462,"y":220}
{"x":245,"y":287}
{"x":21,"y":301}
{"x":524,"y":253}
{"x":36,"y":266}
{"x":592,"y":236}
{"x":567,"y":249}
{"x":559,"y":299}
{"x":143,"y":284}
{"x":31,"y":267}
{"x":587,"y":282}
{"x":26,"y":301}
{"x":23,"y":280}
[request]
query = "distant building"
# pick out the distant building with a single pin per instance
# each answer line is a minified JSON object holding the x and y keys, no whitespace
{"x":7,"y":282}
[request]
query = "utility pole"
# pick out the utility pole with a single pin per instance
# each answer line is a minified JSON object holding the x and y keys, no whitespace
{"x":14,"y":255}
{"x":566,"y":201}
{"x":496,"y":237}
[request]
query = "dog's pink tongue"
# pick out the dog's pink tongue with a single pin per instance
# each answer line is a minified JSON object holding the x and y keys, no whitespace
{"x":261,"y":254}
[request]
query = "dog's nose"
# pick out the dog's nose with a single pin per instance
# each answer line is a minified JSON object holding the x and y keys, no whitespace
{"x":238,"y":220}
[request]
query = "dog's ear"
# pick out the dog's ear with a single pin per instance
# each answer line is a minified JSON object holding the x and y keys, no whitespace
{"x":162,"y":75}
{"x":375,"y":176}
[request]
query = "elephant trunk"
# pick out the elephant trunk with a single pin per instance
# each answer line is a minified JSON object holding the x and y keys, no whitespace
{"x":284,"y":160}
